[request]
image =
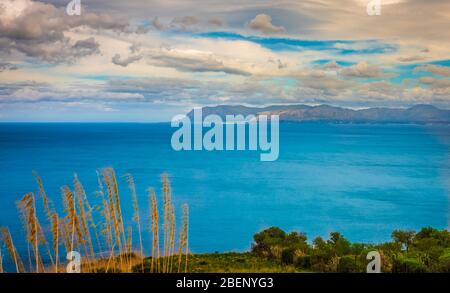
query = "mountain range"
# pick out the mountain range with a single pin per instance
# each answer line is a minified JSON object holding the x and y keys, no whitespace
{"x":298,"y":113}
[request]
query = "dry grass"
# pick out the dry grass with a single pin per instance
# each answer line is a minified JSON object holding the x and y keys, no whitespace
{"x":1,"y":261}
{"x":113,"y":248}
{"x":7,"y":239}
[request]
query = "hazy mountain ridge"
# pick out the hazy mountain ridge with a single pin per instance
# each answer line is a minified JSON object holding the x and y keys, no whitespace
{"x":298,"y":113}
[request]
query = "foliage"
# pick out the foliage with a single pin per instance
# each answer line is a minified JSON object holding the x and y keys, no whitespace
{"x":409,"y":252}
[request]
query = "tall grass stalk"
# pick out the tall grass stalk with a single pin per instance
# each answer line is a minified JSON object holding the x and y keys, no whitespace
{"x":73,"y":231}
{"x":48,"y":207}
{"x":12,"y":251}
{"x":81,"y":195}
{"x":113,"y":210}
{"x":167,"y":205}
{"x":186,"y":233}
{"x":129,"y":245}
{"x":1,"y":260}
{"x":136,"y":216}
{"x":55,"y":234}
{"x":172,"y":238}
{"x":155,"y":260}
{"x":74,"y":221}
{"x":27,"y":208}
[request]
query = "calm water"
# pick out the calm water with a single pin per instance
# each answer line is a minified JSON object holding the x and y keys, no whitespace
{"x":361,"y":180}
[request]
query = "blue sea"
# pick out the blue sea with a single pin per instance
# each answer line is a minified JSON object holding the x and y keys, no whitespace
{"x":363,"y":180}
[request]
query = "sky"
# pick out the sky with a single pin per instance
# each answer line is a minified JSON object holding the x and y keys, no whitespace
{"x":146,"y":61}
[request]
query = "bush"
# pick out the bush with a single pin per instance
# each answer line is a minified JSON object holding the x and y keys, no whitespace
{"x":408,"y":265}
{"x":266,"y":239}
{"x":347,"y":264}
{"x":444,"y":262}
{"x":287,"y":256}
{"x":304,"y":262}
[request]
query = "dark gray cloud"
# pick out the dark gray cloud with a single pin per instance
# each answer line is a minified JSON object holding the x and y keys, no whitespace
{"x":124,"y":62}
{"x":40,"y":30}
{"x":5,"y":66}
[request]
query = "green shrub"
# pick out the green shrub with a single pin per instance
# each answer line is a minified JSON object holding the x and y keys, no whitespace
{"x":444,"y":262}
{"x":347,"y":264}
{"x":408,"y":265}
{"x":304,"y":262}
{"x":287,"y":256}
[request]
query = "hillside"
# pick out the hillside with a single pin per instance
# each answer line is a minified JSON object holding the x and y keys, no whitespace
{"x":300,"y":113}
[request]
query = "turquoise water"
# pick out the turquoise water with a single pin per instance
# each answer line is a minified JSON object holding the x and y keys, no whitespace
{"x":362,"y":180}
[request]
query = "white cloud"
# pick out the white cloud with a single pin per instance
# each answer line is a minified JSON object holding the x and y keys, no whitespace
{"x":364,"y":70}
{"x":435,"y":82}
{"x":263,"y":23}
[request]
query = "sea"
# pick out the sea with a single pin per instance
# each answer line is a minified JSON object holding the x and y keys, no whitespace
{"x":362,"y":180}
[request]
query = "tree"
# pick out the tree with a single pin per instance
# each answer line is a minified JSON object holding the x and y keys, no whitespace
{"x":340,"y":245}
{"x":405,"y":238}
{"x":266,"y":240}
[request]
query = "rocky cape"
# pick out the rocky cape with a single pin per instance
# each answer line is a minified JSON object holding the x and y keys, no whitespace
{"x":303,"y":113}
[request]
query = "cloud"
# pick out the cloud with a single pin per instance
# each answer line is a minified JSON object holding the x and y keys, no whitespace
{"x":217,"y":22}
{"x":435,"y":82}
{"x":195,"y":61}
{"x":435,"y":69}
{"x":190,"y":92}
{"x":85,"y":47}
{"x":157,"y":24}
{"x":328,"y":85}
{"x":5,"y":66}
{"x":331,"y":65}
{"x":411,"y":58}
{"x":178,"y":23}
{"x":40,"y":30}
{"x":280,"y":64}
{"x":187,"y":23}
{"x":263,"y":23}
{"x":33,"y":92}
{"x":125,"y":61}
{"x":184,"y":21}
{"x":209,"y":57}
{"x":364,"y":70}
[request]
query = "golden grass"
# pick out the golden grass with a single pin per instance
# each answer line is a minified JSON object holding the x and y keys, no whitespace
{"x":113,"y":250}
{"x":7,"y":239}
{"x":136,"y":216}
{"x":1,"y":261}
{"x":55,"y":234}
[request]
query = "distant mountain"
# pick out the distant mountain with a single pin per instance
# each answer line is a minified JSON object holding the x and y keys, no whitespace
{"x":299,"y":113}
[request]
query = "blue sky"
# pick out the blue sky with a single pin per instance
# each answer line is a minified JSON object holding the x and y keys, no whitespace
{"x":150,"y":60}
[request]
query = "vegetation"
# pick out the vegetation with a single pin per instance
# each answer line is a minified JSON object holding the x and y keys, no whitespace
{"x":233,"y":262}
{"x":409,"y":252}
{"x":98,"y":232}
{"x":274,"y":250}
